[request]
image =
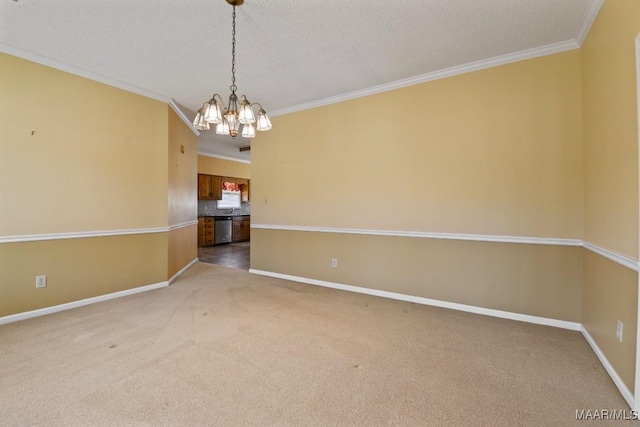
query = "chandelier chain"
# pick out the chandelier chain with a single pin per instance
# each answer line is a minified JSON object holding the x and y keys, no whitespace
{"x":239,"y":113}
{"x":233,"y":53}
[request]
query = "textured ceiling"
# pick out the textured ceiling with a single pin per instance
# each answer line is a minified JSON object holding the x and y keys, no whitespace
{"x":290,"y":53}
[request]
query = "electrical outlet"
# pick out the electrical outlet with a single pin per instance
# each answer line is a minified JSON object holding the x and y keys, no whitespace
{"x":334,"y":263}
{"x":619,"y":331}
{"x":41,"y":281}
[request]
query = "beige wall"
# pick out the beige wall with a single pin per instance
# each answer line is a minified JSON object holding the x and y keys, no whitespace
{"x":78,"y":268}
{"x":183,"y":171}
{"x":183,"y":194}
{"x":536,"y":280}
{"x":544,"y":148}
{"x":498,"y":151}
{"x":215,"y":166}
{"x":610,"y":294}
{"x":80,"y":156}
{"x":183,"y":248}
{"x":494,"y":152}
{"x":97,"y":158}
{"x":610,"y":129}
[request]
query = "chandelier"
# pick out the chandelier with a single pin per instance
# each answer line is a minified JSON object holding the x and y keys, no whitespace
{"x":228,"y":119}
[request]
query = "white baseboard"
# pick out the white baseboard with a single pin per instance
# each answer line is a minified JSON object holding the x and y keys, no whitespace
{"x":185,"y":268}
{"x":573,"y":326}
{"x":626,"y":393}
{"x":75,"y":304}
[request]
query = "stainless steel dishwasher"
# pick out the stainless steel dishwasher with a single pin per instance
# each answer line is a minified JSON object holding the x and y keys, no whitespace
{"x":222,"y":232}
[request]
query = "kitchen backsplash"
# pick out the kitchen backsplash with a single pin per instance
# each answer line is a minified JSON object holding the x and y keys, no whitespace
{"x":208,"y":207}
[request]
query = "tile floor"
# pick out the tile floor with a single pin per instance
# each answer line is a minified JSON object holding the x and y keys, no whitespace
{"x":235,"y":255}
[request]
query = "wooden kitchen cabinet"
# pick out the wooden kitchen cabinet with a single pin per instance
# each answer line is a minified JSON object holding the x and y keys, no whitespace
{"x":245,"y":189}
{"x":206,"y":230}
{"x":204,"y":187}
{"x":216,"y":187}
{"x":241,"y":229}
{"x":236,"y":230}
{"x":246,"y":229}
{"x":209,"y":187}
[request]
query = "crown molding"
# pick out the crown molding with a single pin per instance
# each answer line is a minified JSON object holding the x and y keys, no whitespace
{"x":202,"y":153}
{"x":29,"y":56}
{"x":182,"y":116}
{"x":98,"y":78}
{"x":592,"y":14}
{"x":436,"y":75}
{"x":423,"y":78}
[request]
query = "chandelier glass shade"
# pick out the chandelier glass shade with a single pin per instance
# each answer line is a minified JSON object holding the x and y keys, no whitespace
{"x":229,"y":119}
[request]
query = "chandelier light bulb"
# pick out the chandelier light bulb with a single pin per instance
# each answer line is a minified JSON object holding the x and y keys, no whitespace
{"x":263,"y":121}
{"x":246,"y":113}
{"x":199,"y":122}
{"x":223,"y":127}
{"x":248,"y":131}
{"x":213,"y":112}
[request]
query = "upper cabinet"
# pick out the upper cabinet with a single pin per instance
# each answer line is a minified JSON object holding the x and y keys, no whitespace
{"x":216,"y":187}
{"x":209,"y":187}
{"x":246,"y":191}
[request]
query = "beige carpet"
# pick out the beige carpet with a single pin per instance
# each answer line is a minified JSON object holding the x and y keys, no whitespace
{"x":223,"y":347}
